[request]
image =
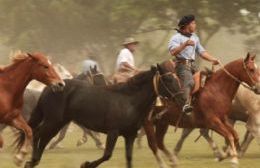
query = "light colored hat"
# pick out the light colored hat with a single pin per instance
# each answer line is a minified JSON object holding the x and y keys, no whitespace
{"x":130,"y":40}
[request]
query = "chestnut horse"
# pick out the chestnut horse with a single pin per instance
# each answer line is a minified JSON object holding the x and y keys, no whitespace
{"x":212,"y":105}
{"x":13,"y":81}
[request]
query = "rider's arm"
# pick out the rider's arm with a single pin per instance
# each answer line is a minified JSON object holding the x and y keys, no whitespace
{"x":205,"y":55}
{"x":176,"y":50}
{"x":127,"y":66}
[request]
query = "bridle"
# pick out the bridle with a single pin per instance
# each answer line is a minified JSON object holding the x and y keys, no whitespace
{"x":252,"y":88}
{"x":157,"y":79}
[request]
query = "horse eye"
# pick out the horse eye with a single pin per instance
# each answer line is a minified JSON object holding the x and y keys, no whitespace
{"x":45,"y":66}
{"x":252,"y":70}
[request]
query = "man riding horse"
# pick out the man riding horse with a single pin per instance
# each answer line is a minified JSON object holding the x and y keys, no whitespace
{"x":184,"y":45}
{"x":125,"y":64}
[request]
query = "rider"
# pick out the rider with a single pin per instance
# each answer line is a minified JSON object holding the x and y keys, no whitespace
{"x":89,"y":63}
{"x":184,"y":45}
{"x":125,"y":60}
{"x":125,"y":64}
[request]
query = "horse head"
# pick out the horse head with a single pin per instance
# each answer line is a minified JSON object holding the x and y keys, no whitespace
{"x":251,"y":73}
{"x":166,"y":83}
{"x":44,"y":71}
{"x":97,"y":77}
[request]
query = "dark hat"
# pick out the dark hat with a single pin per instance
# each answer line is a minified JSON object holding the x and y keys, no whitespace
{"x":185,"y":20}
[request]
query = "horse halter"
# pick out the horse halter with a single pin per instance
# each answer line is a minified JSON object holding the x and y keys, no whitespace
{"x":252,"y":88}
{"x":156,"y":80}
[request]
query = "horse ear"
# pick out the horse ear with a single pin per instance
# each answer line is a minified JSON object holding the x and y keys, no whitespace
{"x":31,"y":56}
{"x":247,"y":57}
{"x":153,"y":68}
{"x":90,"y":68}
{"x":95,"y":68}
{"x":253,"y":57}
{"x":159,"y":68}
{"x":250,"y":56}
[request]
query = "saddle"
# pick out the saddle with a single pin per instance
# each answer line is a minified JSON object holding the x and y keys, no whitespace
{"x":197,"y":77}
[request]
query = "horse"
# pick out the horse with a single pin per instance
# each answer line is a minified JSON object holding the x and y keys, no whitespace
{"x":212,"y":105}
{"x":245,"y":108}
{"x":32,"y":93}
{"x":252,"y":102}
{"x":116,"y":110}
{"x":13,"y":80}
{"x":61,"y":70}
{"x":96,"y":78}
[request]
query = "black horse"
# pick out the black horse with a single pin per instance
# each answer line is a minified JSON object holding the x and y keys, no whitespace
{"x":96,"y":78}
{"x":115,"y":110}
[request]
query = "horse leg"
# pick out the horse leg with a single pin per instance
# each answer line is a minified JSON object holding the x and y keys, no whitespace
{"x":110,"y":145}
{"x":226,"y":148}
{"x":221,"y":128}
{"x":161,"y":129}
{"x":150,"y":135}
{"x":20,"y":124}
{"x":42,"y":137}
{"x":184,"y":135}
{"x":230,"y":127}
{"x":129,"y":143}
{"x":84,"y":137}
{"x":61,"y":136}
{"x":1,"y":142}
{"x":247,"y":140}
{"x":217,"y":153}
{"x":140,"y":135}
{"x":93,"y":135}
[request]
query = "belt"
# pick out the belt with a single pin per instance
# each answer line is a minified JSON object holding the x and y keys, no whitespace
{"x":185,"y":61}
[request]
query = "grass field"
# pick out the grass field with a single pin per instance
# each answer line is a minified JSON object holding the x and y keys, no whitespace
{"x":193,"y":155}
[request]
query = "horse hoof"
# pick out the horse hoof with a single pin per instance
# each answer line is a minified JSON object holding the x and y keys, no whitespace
{"x":234,"y":161}
{"x":18,"y":160}
{"x":85,"y":165}
{"x":101,"y":146}
{"x":28,"y":165}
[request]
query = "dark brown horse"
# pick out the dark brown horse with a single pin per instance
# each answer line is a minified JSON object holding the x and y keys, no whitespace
{"x":212,"y":106}
{"x":13,"y":80}
{"x":117,"y":110}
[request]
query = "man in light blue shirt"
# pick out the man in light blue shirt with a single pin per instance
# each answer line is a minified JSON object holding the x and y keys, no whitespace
{"x":185,"y":46}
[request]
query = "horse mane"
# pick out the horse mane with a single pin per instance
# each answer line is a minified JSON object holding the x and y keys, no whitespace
{"x":134,"y":82}
{"x":18,"y":56}
{"x":15,"y":57}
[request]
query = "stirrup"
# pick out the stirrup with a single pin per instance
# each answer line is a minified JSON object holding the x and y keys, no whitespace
{"x":187,"y":109}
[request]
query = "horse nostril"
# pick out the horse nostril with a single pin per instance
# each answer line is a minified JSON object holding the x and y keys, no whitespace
{"x":60,"y":84}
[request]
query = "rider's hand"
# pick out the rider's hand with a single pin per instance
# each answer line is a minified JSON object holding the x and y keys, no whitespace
{"x":189,"y":43}
{"x":215,"y":62}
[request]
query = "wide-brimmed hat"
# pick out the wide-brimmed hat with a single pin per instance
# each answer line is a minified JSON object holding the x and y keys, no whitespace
{"x":130,"y":40}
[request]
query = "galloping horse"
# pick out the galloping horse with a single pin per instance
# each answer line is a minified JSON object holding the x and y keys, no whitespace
{"x":245,"y":108}
{"x":32,"y":94}
{"x":13,"y":80}
{"x":93,"y":77}
{"x":212,"y":105}
{"x":115,"y":110}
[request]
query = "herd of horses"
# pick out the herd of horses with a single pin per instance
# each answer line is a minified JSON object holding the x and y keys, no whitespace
{"x":121,"y":109}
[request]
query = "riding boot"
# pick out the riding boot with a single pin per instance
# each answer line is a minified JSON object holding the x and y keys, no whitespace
{"x":187,"y":108}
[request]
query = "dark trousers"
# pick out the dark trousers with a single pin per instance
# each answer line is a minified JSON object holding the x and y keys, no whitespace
{"x":185,"y":73}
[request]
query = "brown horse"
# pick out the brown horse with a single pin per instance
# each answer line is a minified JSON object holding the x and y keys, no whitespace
{"x":212,"y":105}
{"x":13,"y":80}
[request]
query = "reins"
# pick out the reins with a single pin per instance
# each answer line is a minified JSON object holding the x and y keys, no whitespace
{"x":235,"y":78}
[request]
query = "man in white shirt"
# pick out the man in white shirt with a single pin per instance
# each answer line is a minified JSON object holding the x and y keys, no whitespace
{"x":125,"y":64}
{"x":125,"y":60}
